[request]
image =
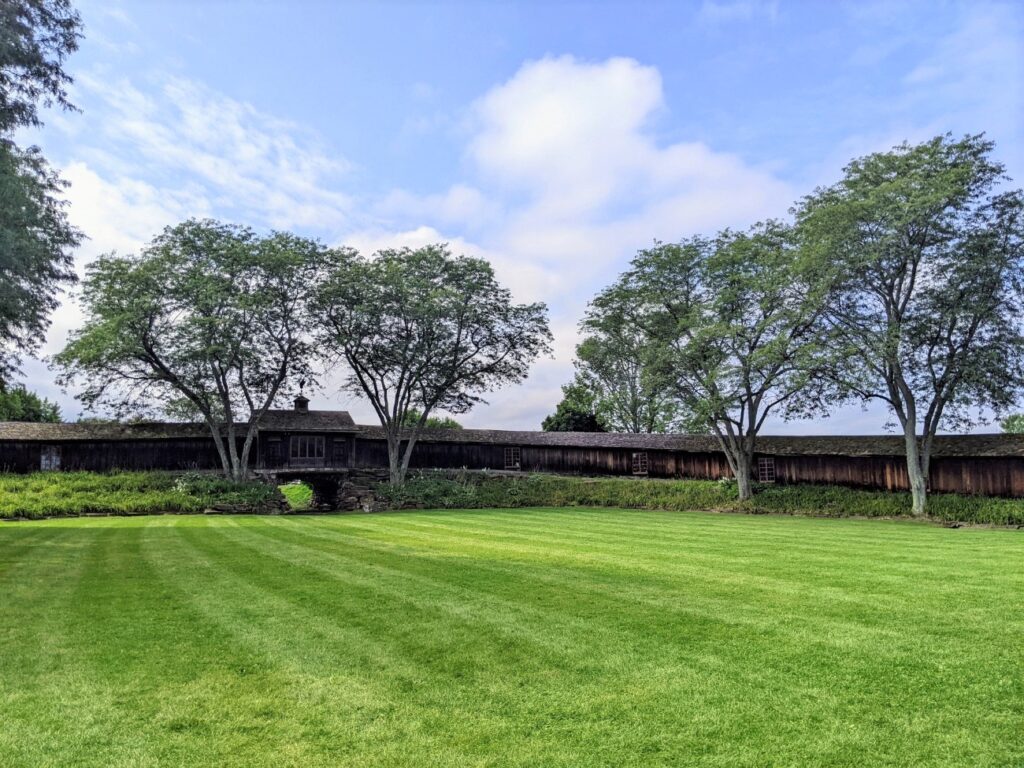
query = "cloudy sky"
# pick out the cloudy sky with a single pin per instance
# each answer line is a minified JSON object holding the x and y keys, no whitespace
{"x":555,"y":139}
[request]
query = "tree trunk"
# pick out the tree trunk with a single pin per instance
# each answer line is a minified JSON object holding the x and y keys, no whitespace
{"x":395,"y":474}
{"x":744,"y":484}
{"x":739,"y":452}
{"x":218,"y":441}
{"x":236,"y":469}
{"x":407,"y":454}
{"x":916,"y":475}
{"x":250,"y":436}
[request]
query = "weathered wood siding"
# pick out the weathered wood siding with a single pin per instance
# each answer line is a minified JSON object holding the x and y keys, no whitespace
{"x":888,"y":472}
{"x":986,"y":476}
{"x":581,"y":461}
{"x":972,"y":475}
{"x":106,"y":455}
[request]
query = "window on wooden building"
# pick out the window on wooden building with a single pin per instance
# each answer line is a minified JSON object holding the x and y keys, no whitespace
{"x":307,"y":447}
{"x":49,"y":458}
{"x":766,"y":469}
{"x":513,"y":457}
{"x":640,"y":464}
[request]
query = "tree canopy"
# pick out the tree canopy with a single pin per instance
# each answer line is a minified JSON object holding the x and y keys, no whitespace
{"x":921,"y":248}
{"x":36,"y":37}
{"x":730,"y":324}
{"x":1013,"y":424}
{"x":413,"y":417}
{"x":575,"y":411}
{"x":421,"y":329}
{"x":209,"y":321}
{"x":36,"y":238}
{"x":612,"y":364}
{"x":18,"y":404}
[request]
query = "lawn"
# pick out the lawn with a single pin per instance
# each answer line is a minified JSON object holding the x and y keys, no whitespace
{"x":566,"y":637}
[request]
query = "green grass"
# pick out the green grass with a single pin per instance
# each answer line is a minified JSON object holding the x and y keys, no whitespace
{"x":476,"y":490}
{"x":537,"y":637}
{"x":49,"y":494}
{"x":298,"y":495}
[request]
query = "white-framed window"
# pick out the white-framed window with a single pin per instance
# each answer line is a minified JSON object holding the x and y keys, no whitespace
{"x":513,"y":457}
{"x":49,"y":458}
{"x":640,"y":463}
{"x":766,"y":469}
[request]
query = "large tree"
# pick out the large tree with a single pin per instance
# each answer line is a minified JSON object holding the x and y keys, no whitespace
{"x":425,"y":330}
{"x":413,"y":416}
{"x":730,"y":323}
{"x":1013,"y":424}
{"x":575,"y":412}
{"x":922,"y":246}
{"x":612,"y":364}
{"x":36,"y":37}
{"x":18,"y":404}
{"x":36,"y":239}
{"x":209,"y":320}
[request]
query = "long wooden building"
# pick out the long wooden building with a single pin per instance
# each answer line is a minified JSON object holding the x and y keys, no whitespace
{"x":301,"y":439}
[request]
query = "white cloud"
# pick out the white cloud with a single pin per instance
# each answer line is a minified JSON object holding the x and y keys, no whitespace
{"x":251,"y":165}
{"x":568,"y":131}
{"x":573,"y":143}
{"x":461,"y":204}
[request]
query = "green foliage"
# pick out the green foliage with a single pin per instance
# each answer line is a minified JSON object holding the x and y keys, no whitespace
{"x":425,"y":330}
{"x":730,"y":328}
{"x":18,"y":404}
{"x":575,"y":411}
{"x":36,"y":36}
{"x":36,"y":243}
{"x":36,"y":238}
{"x":1013,"y":424}
{"x":413,"y":417}
{"x":478,"y":490}
{"x":53,"y":494}
{"x":613,"y":362}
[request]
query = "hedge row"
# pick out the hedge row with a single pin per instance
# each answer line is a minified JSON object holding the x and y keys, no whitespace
{"x":55,"y":494}
{"x":477,"y":490}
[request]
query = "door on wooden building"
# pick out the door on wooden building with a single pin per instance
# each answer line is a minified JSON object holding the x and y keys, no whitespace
{"x":339,"y":452}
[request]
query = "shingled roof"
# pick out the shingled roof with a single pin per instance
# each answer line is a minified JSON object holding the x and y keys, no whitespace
{"x":23,"y":430}
{"x":276,"y":420}
{"x":312,"y":421}
{"x":811,"y":445}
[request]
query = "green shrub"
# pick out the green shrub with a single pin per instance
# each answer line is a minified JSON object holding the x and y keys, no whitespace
{"x":436,"y":490}
{"x":50,"y":494}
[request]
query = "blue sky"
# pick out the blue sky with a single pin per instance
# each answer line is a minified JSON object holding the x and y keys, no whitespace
{"x":554,"y":139}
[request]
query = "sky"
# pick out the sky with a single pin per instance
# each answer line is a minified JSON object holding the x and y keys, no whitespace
{"x":554,"y":139}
